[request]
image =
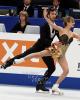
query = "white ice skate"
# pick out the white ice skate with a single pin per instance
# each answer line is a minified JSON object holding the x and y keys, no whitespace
{"x":18,"y":61}
{"x":56,"y":90}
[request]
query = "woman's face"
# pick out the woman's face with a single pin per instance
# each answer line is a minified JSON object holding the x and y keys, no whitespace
{"x":71,"y":24}
{"x":22,"y":18}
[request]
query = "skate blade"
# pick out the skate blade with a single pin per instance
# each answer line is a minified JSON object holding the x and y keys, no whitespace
{"x":40,"y":91}
{"x":57,"y":93}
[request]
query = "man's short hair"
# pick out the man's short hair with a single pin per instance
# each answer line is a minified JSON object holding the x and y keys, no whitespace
{"x":50,"y":9}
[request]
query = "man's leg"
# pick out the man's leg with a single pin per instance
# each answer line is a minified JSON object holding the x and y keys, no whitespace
{"x":11,"y":61}
{"x":51,"y":68}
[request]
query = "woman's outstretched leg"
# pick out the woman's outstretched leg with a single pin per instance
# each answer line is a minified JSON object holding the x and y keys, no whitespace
{"x":36,"y":55}
{"x":33,"y":55}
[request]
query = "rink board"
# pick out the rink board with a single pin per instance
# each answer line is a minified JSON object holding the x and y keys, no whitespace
{"x":28,"y":72}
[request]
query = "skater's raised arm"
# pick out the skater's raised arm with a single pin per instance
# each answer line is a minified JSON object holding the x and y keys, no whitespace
{"x":56,"y":27}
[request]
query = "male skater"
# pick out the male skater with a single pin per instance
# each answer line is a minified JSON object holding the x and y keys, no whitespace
{"x":46,"y":37}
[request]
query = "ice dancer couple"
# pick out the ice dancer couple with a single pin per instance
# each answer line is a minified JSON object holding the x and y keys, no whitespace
{"x":50,"y":52}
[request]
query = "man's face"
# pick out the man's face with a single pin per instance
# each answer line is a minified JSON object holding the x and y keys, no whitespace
{"x":56,"y":2}
{"x":52,"y":15}
{"x":27,"y":2}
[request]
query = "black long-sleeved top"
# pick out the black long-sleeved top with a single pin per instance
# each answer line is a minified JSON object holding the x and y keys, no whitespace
{"x":18,"y":27}
{"x":45,"y":35}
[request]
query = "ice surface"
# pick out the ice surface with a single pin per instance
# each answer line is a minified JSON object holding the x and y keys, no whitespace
{"x":8,"y":92}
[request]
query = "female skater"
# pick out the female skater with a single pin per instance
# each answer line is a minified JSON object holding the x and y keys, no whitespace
{"x":58,"y":49}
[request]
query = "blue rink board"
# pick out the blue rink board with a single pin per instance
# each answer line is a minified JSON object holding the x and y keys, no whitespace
{"x":31,"y":80}
{"x":10,"y":22}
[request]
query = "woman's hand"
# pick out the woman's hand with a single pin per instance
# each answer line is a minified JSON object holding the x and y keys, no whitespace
{"x":19,"y":32}
{"x":57,"y":43}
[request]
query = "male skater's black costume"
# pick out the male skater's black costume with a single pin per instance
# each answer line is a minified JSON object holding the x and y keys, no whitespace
{"x":42,"y":43}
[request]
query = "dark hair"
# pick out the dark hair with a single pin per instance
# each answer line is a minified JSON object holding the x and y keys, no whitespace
{"x":50,"y":9}
{"x":57,"y":0}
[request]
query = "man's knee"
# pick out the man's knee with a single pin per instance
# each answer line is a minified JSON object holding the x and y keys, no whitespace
{"x":52,"y":68}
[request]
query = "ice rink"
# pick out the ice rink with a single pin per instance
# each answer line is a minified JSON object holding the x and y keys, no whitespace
{"x":28,"y":93}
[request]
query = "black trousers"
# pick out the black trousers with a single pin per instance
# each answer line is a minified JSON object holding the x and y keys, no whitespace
{"x":47,"y":60}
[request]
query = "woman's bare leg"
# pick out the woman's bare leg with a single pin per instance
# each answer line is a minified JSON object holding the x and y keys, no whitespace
{"x":34,"y":55}
{"x":38,"y":54}
{"x":64,"y":65}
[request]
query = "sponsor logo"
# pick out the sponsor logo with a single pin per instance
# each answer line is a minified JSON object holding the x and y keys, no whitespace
{"x":11,"y":48}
